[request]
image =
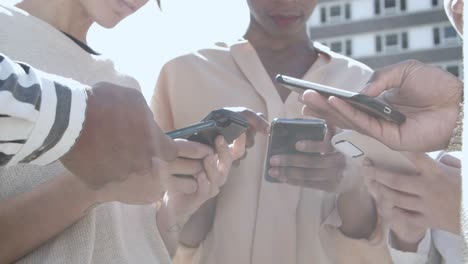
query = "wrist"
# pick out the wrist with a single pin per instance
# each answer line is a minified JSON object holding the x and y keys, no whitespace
{"x":171,"y":219}
{"x":85,"y":197}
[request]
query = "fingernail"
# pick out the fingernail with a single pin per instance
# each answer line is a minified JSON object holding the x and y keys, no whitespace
{"x":221,"y":141}
{"x":213,"y":159}
{"x":275,"y":161}
{"x":273,"y":173}
{"x":301,"y":145}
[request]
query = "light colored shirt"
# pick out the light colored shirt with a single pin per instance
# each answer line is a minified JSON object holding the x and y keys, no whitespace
{"x":41,"y":115}
{"x":256,"y":221}
{"x":113,"y":232}
{"x":449,"y":246}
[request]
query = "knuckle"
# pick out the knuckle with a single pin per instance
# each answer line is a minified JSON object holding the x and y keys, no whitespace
{"x":412,"y":62}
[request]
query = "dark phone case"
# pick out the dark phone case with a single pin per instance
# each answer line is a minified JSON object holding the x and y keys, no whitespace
{"x":223,"y":122}
{"x":285,"y":133}
{"x":219,"y":122}
{"x":376,"y":109}
{"x":363,"y":102}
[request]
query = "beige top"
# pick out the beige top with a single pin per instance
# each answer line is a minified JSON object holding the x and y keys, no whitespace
{"x":256,"y":221}
{"x":112,"y":233}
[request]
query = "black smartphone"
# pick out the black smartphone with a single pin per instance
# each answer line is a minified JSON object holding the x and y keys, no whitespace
{"x":363,"y":102}
{"x":284,"y":133}
{"x":223,"y":122}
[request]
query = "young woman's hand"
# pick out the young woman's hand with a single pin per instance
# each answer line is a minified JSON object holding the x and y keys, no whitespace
{"x":413,"y":203}
{"x":319,"y":166}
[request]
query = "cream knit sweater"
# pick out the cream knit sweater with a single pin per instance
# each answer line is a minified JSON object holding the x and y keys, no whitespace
{"x":112,"y":233}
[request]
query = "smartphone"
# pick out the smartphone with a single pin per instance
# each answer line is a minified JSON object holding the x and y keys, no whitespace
{"x":284,"y":133}
{"x":359,"y":147}
{"x":363,"y":102}
{"x":223,"y":122}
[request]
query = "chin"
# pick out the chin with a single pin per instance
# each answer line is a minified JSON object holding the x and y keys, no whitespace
{"x":285,"y":33}
{"x":108,"y":24}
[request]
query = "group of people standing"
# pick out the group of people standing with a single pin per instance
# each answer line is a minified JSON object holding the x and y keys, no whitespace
{"x":89,"y":176}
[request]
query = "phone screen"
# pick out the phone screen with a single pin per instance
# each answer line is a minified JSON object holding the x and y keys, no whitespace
{"x":285,"y":133}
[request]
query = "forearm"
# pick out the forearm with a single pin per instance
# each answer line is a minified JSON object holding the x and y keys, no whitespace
{"x":168,"y":228}
{"x":41,"y":115}
{"x":191,"y":232}
{"x":198,"y":226}
{"x":30,"y":219}
{"x":357,"y":212}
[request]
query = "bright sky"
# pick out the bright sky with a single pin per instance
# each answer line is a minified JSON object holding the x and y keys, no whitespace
{"x":143,"y":42}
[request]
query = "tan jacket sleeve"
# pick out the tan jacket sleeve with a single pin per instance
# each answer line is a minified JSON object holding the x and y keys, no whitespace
{"x":161,"y":101}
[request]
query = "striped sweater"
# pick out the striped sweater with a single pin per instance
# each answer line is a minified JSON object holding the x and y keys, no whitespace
{"x":113,"y":232}
{"x":40,"y":115}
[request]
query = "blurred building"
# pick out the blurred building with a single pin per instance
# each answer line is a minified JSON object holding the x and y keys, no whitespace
{"x":382,"y":32}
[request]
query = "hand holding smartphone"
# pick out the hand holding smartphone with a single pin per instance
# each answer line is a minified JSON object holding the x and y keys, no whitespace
{"x":363,"y":102}
{"x":285,"y":133}
{"x":359,"y":147}
{"x":223,"y":122}
{"x":226,"y":123}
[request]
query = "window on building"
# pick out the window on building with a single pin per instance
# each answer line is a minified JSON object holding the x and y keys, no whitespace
{"x":453,"y":69}
{"x":342,"y":46}
{"x":378,"y":44}
{"x":404,"y":40}
{"x":336,"y":46}
{"x":391,"y":42}
{"x":349,"y":48}
{"x":389,"y":7}
{"x":435,"y":2}
{"x":450,"y":32}
{"x":390,"y":3}
{"x":436,"y":32}
{"x":348,"y":11}
{"x":403,"y":5}
{"x":335,"y":13}
{"x":323,"y":15}
{"x":377,"y":7}
{"x":445,"y":35}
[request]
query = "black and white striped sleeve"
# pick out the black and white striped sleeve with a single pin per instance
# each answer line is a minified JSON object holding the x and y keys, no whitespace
{"x":41,"y":115}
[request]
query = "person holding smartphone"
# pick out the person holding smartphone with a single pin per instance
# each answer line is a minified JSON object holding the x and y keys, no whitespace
{"x":49,"y":216}
{"x":431,"y":99}
{"x":320,"y":213}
